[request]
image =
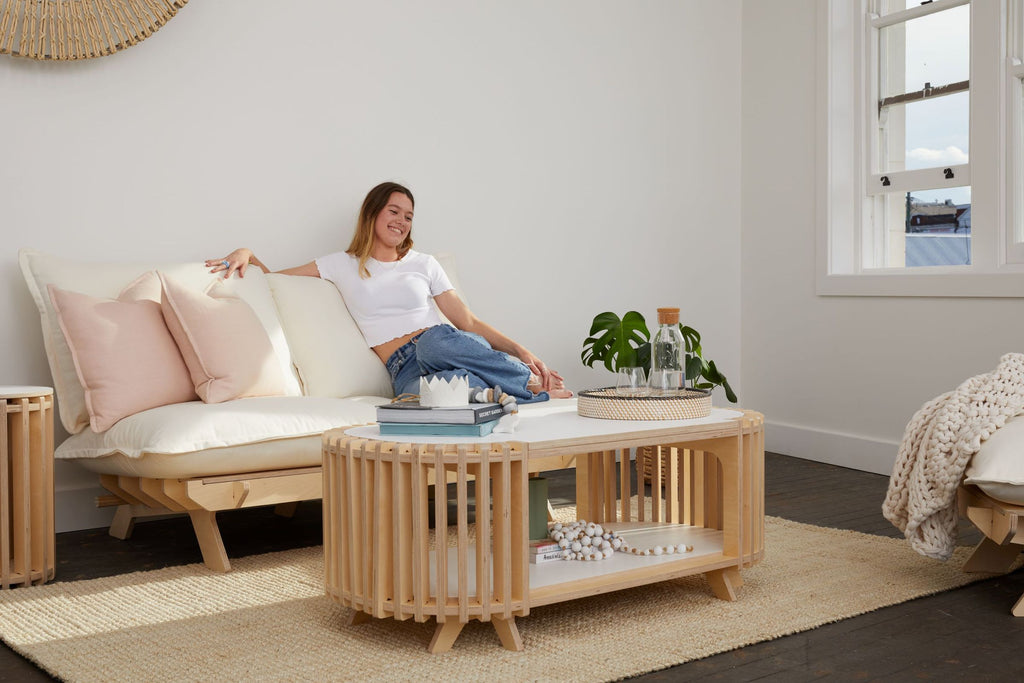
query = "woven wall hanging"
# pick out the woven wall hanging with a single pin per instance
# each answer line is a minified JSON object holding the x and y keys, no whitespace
{"x":79,"y":29}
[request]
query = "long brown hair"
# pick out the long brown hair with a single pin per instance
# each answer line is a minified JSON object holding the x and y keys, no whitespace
{"x":362,"y":241}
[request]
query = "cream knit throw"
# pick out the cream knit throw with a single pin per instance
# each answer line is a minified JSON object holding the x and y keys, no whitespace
{"x":937,"y":445}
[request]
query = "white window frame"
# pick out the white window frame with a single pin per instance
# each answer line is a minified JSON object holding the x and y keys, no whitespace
{"x":1014,"y":238}
{"x":844,"y":203}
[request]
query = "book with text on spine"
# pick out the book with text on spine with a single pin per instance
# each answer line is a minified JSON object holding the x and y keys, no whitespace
{"x":550,"y":556}
{"x":425,"y":429}
{"x":413,"y":413}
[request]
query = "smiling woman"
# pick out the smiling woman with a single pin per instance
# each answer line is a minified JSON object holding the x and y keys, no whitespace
{"x":397,"y":295}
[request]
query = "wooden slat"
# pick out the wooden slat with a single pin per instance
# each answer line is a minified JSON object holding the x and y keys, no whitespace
{"x":462,"y":516}
{"x":624,"y":495}
{"x":608,"y":464}
{"x":440,"y":535}
{"x":420,"y":521}
{"x":5,"y":497}
{"x":483,"y":533}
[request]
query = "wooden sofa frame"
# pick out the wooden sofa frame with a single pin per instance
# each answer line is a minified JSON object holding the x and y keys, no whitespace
{"x":203,"y":497}
{"x":1004,"y":534}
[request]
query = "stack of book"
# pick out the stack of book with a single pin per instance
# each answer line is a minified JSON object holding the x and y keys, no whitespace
{"x":412,"y":419}
{"x":544,"y":551}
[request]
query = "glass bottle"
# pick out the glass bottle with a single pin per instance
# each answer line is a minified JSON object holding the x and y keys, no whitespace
{"x":668,"y":375}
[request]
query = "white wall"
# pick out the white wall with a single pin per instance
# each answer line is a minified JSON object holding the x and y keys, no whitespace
{"x":838,"y":378}
{"x":576,"y":157}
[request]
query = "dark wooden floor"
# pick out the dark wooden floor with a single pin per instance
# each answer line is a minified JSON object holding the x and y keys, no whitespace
{"x":966,"y":634}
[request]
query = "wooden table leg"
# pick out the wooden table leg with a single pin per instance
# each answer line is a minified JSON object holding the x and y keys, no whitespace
{"x":508,"y":632}
{"x":444,"y":636}
{"x":724,"y":582}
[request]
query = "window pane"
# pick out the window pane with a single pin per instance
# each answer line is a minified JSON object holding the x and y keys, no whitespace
{"x":925,"y":133}
{"x":933,"y":49}
{"x":937,"y":227}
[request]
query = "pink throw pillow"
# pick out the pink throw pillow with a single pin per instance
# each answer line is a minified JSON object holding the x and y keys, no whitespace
{"x":124,"y":355}
{"x":226,"y":349}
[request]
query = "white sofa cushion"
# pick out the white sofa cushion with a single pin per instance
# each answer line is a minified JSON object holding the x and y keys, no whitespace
{"x":107,"y":280}
{"x":198,"y":426}
{"x":998,"y":466}
{"x":328,"y":350}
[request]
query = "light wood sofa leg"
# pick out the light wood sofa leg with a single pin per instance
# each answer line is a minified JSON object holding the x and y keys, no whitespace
{"x":724,"y":583}
{"x":123,"y":523}
{"x":990,"y":557}
{"x":210,"y":544}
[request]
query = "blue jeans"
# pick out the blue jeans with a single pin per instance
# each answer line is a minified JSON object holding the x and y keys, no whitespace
{"x":445,"y":352}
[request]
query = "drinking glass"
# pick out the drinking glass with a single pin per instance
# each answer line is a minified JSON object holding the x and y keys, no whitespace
{"x":632,"y":381}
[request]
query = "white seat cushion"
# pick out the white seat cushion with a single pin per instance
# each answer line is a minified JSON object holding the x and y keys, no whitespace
{"x":998,"y":467}
{"x":198,"y":426}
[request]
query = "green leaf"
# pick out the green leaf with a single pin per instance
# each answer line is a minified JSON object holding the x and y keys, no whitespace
{"x":694,"y":367}
{"x":613,"y":341}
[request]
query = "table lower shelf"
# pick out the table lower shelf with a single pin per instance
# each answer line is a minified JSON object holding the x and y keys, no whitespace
{"x":560,"y":580}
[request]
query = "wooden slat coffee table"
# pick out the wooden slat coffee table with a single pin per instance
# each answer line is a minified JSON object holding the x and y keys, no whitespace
{"x":382,"y":561}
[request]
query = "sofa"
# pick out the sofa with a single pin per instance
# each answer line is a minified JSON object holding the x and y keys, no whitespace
{"x":211,"y":451}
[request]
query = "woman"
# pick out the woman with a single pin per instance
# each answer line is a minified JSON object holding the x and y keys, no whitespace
{"x":387,"y":287}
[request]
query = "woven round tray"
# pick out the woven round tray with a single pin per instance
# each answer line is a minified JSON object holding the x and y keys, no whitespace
{"x":607,"y":405}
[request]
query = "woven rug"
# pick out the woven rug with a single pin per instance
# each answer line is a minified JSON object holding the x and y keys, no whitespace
{"x":268,"y":619}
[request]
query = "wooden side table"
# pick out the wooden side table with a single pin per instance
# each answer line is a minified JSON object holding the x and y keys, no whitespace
{"x":26,"y":486}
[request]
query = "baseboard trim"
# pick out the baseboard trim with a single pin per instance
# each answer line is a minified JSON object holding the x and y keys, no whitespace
{"x":75,"y":509}
{"x":834,"y":448}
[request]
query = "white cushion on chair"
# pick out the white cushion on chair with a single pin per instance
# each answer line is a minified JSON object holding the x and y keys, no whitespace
{"x":998,"y":467}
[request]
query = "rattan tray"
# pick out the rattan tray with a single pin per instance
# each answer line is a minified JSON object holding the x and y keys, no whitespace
{"x":607,"y":405}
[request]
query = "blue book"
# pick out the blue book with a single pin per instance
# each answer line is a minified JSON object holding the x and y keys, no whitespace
{"x":425,"y":429}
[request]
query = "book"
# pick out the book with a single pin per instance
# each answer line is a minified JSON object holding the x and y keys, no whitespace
{"x":543,"y":546}
{"x":550,"y":556}
{"x":423,"y":429}
{"x":412,"y":412}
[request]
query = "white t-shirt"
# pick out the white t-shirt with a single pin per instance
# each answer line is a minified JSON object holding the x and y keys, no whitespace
{"x":395,"y":300}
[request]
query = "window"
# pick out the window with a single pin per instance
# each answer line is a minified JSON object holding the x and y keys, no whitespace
{"x":922,"y":106}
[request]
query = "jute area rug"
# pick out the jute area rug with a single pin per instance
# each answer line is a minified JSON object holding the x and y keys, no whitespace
{"x":268,"y":619}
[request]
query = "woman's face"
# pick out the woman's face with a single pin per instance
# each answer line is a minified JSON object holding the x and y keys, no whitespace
{"x":394,"y":221}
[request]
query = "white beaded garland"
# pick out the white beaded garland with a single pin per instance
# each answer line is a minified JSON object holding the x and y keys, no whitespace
{"x":587,"y":542}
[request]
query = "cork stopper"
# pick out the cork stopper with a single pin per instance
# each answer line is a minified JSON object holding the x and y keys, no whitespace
{"x":668,"y":316}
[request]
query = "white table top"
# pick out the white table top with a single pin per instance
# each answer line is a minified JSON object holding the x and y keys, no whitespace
{"x":560,"y":422}
{"x":12,"y":391}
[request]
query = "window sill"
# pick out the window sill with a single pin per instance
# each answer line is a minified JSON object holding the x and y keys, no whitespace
{"x":1004,"y":284}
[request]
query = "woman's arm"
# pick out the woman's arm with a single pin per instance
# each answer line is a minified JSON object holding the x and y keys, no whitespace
{"x":459,"y":314}
{"x":240,"y":259}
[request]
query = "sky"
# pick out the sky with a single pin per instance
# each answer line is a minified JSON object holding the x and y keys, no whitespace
{"x":938,"y":52}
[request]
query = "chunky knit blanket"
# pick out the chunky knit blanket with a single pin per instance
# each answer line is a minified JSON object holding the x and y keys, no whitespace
{"x":937,"y":446}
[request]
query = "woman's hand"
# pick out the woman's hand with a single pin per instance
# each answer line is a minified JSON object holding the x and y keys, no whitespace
{"x":238,"y":260}
{"x":548,"y":378}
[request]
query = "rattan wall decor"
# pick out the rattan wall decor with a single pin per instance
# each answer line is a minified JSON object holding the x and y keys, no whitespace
{"x":63,"y":30}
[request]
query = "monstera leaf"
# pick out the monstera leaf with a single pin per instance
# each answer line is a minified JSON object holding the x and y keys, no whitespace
{"x":623,"y":342}
{"x":617,"y":342}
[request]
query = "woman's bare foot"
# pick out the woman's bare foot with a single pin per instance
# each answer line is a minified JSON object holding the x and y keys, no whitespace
{"x":556,"y":387}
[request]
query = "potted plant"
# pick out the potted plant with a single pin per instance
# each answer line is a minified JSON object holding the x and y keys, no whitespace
{"x":623,"y":342}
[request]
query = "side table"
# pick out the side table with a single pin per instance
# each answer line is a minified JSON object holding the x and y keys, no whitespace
{"x":26,"y":486}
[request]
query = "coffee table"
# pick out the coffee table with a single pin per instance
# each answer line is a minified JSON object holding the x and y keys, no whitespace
{"x":382,"y":561}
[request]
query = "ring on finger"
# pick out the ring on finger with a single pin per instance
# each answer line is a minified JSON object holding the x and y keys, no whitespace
{"x":225,"y":263}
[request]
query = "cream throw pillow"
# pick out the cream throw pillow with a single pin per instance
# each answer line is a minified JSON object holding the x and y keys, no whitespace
{"x":226,"y":349}
{"x":125,"y":358}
